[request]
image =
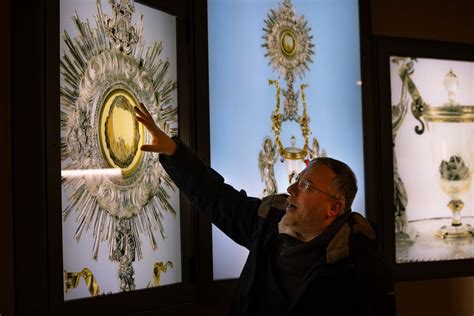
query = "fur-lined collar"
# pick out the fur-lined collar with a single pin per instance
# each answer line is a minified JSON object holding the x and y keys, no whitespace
{"x":338,"y":247}
{"x":341,"y":229}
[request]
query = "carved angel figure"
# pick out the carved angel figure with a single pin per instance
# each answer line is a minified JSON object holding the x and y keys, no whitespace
{"x":316,"y":151}
{"x":266,"y":160}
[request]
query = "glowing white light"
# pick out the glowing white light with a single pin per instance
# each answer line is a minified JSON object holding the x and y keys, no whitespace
{"x":293,"y":168}
{"x":359,"y":82}
{"x":110,"y":172}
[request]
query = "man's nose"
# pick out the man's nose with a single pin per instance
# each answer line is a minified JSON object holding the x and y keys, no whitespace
{"x":293,"y":189}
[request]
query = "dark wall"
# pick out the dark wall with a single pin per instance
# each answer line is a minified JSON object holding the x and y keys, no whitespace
{"x":6,"y":245}
{"x":436,"y":297}
{"x":451,"y":21}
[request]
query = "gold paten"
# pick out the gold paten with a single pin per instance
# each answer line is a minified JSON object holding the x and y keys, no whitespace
{"x":120,"y":135}
{"x":288,"y":42}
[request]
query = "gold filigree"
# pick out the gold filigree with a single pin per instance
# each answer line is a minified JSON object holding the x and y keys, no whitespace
{"x":159,"y":267}
{"x":276,"y":116}
{"x":304,"y":119}
{"x":72,"y":280}
{"x":450,"y":114}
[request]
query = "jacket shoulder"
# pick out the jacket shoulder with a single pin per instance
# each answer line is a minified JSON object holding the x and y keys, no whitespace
{"x":276,"y":201}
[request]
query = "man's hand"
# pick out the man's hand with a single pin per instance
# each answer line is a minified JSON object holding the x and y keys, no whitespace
{"x":160,"y":143}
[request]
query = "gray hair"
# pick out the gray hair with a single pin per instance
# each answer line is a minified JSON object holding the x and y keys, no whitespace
{"x":344,"y":184}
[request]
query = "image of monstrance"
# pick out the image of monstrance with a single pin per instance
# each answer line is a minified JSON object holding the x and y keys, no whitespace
{"x":289,"y":49}
{"x":112,"y":192}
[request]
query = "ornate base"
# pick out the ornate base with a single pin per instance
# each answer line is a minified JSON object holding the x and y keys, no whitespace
{"x":461,"y":231}
{"x":429,"y":247}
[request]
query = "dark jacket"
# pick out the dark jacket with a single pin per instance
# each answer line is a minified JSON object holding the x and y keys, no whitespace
{"x":350,"y":279}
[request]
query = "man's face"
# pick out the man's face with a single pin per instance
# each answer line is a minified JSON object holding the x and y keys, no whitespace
{"x":310,"y":211}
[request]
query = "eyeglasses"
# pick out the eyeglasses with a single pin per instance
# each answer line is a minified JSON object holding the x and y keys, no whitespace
{"x":305,"y":185}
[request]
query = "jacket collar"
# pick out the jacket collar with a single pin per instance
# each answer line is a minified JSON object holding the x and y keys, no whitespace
{"x":338,"y":234}
{"x":352,"y":224}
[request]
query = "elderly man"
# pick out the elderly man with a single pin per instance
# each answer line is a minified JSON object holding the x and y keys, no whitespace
{"x":309,"y":254}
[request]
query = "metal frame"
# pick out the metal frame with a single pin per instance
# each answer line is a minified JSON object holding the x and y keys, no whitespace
{"x":378,"y":122}
{"x":36,"y":170}
{"x":222,"y":290}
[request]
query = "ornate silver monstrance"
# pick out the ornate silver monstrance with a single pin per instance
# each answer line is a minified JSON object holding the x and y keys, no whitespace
{"x":289,"y":48}
{"x":105,"y":72}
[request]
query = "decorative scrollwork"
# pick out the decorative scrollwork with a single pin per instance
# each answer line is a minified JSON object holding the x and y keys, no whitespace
{"x":304,"y":120}
{"x":120,"y":31}
{"x":277,"y":118}
{"x":158,"y":268}
{"x":418,"y":105}
{"x":72,"y":280}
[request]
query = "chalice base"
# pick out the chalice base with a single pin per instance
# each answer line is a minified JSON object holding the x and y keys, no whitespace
{"x":461,"y":231}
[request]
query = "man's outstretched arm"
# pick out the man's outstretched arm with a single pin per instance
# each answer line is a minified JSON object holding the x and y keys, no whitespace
{"x":232,"y":211}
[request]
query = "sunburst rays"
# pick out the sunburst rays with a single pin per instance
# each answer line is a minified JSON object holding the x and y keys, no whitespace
{"x":284,"y":23}
{"x":90,"y":68}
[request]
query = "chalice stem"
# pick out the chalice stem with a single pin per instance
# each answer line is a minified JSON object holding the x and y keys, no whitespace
{"x":456,"y":206}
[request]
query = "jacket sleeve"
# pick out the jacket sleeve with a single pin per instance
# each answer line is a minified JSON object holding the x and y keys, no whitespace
{"x":230,"y":210}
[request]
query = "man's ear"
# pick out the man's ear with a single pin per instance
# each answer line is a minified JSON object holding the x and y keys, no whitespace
{"x":336,"y":208}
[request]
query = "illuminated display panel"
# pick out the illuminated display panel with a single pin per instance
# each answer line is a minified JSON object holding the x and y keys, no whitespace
{"x":433,"y":158}
{"x":242,"y":101}
{"x":121,"y":227}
